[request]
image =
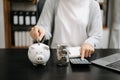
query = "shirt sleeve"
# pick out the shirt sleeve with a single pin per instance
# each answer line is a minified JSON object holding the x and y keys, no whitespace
{"x":94,"y":29}
{"x":46,"y":18}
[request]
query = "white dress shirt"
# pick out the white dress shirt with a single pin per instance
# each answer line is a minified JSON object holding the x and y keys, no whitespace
{"x":70,"y":23}
{"x":75,"y":22}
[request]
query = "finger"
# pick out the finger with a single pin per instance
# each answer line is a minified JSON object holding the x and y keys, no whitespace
{"x":36,"y":33}
{"x":32,"y":28}
{"x":32,"y":34}
{"x":82,"y":54}
{"x":41,"y":36}
{"x":32,"y":31}
{"x":87,"y":51}
{"x":91,"y":52}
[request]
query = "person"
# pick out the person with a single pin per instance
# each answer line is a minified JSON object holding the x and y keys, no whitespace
{"x":73,"y":23}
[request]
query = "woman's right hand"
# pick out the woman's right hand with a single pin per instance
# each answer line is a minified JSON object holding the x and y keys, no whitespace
{"x":37,"y":33}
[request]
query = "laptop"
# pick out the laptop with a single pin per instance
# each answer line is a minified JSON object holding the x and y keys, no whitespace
{"x":111,"y":62}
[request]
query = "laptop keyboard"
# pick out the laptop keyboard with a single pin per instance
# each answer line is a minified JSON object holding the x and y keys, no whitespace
{"x":115,"y":65}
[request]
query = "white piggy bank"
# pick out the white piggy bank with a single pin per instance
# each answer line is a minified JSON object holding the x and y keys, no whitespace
{"x":39,"y":53}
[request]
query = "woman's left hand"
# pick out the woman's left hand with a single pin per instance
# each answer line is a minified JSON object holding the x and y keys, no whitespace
{"x":86,"y":50}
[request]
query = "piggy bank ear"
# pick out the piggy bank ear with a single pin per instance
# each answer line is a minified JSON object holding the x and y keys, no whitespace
{"x":46,"y":47}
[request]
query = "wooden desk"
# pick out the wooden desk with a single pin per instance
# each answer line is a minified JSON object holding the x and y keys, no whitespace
{"x":14,"y":65}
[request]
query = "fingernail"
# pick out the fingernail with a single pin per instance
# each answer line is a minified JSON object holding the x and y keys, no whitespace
{"x":82,"y":58}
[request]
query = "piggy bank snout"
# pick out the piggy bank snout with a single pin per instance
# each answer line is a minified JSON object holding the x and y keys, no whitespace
{"x":39,"y":58}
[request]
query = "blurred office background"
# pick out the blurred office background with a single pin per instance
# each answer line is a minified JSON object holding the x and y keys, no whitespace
{"x":111,"y":33}
{"x":114,"y":40}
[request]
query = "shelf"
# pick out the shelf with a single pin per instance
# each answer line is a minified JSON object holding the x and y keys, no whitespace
{"x":31,"y":1}
{"x":25,"y":47}
{"x":21,"y":28}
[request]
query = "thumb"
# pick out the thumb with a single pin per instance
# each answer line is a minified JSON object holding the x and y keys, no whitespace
{"x":41,"y":36}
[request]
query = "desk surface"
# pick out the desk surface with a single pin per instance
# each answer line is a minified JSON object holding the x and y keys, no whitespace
{"x":14,"y":65}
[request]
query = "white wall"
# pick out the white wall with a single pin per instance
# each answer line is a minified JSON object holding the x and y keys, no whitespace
{"x":2,"y":38}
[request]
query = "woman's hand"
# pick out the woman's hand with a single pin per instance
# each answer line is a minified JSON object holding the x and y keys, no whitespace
{"x":86,"y":50}
{"x":37,"y":33}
